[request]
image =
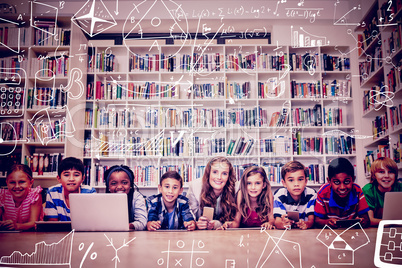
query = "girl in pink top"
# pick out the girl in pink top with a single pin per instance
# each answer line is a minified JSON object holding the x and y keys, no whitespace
{"x":254,"y":201}
{"x":20,"y":204}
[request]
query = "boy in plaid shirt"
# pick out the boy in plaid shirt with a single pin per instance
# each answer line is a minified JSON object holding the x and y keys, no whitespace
{"x":170,"y":209}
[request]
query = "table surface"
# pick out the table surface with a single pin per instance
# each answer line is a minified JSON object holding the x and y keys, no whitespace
{"x":223,"y":249}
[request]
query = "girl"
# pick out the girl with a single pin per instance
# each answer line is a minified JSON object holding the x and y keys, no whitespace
{"x":120,"y":179}
{"x":383,"y":179}
{"x":254,"y":201}
{"x":216,"y":189}
{"x":20,"y":204}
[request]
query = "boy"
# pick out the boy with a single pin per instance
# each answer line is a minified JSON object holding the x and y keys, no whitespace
{"x":70,"y":176}
{"x":340,"y":198}
{"x":169,"y":209}
{"x":295,"y":196}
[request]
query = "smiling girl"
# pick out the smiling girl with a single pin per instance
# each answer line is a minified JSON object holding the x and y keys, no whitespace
{"x":20,"y":204}
{"x":120,"y":179}
{"x":384,"y":172}
{"x":216,"y":189}
{"x":254,"y":201}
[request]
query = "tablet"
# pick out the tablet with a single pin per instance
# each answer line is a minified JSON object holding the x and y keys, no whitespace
{"x":293,"y":215}
{"x":346,"y":223}
{"x":53,"y":226}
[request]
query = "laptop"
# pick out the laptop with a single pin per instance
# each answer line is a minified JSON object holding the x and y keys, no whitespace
{"x":392,"y":206}
{"x":99,"y":212}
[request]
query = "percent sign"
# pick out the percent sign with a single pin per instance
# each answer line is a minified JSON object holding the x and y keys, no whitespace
{"x":93,"y":255}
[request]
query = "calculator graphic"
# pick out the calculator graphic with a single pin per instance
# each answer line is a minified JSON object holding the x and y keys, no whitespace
{"x":12,"y":92}
{"x":388,"y":248}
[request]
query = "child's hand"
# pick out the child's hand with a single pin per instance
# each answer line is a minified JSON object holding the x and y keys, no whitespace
{"x":287,"y":223}
{"x":153,"y":225}
{"x":301,"y":224}
{"x":267,"y":225}
{"x":332,"y":223}
{"x":225,"y":226}
{"x":202,"y":223}
{"x":8,"y":225}
{"x":189,"y":225}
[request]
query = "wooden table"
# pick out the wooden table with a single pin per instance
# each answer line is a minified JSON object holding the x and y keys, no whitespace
{"x":232,"y":248}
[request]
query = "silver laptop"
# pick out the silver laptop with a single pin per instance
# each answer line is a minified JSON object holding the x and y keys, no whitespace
{"x":392,"y":206}
{"x":99,"y":212}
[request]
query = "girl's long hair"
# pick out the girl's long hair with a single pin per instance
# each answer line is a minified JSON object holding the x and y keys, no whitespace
{"x":130,"y":174}
{"x":208,"y":197}
{"x":263,"y":200}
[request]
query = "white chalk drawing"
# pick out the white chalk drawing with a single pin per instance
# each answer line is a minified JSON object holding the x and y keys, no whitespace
{"x":307,"y":13}
{"x":179,"y":252}
{"x":74,"y":80}
{"x":341,"y":247}
{"x":230,"y":263}
{"x":116,"y":258}
{"x":16,"y":49}
{"x":45,"y":254}
{"x":388,"y":247}
{"x":8,"y":136}
{"x":45,"y":127}
{"x":48,"y":11}
{"x":302,"y":38}
{"x":12,"y":93}
{"x":147,"y":15}
{"x":94,"y":18}
{"x":346,"y":19}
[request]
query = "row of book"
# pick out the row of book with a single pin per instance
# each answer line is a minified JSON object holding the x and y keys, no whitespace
{"x":173,"y":147}
{"x":380,"y":125}
{"x":307,"y":116}
{"x":337,"y":88}
{"x":305,"y":90}
{"x":367,"y":68}
{"x":144,"y":176}
{"x":334,"y":63}
{"x":237,"y":62}
{"x":208,"y":117}
{"x":319,"y":145}
{"x":49,"y":97}
{"x":374,"y":96}
{"x":117,"y":91}
{"x":270,"y":89}
{"x":303,"y":62}
{"x":43,"y":164}
{"x":333,"y":116}
{"x":54,"y":130}
{"x":280,"y":119}
{"x":52,"y":36}
{"x":105,"y":62}
{"x":6,"y":161}
{"x":15,"y":36}
{"x":172,"y":117}
{"x":243,"y":117}
{"x":209,"y":90}
{"x":11,"y":100}
{"x":394,"y":42}
{"x":394,"y":77}
{"x":147,"y":63}
{"x":397,"y":149}
{"x":276,"y":146}
{"x":240,"y":146}
{"x":13,"y":64}
{"x":382,"y":150}
{"x":209,"y":146}
{"x":395,"y":113}
{"x":12,"y":130}
{"x":388,"y":8}
{"x":267,"y":62}
{"x":236,"y":90}
{"x":50,"y":66}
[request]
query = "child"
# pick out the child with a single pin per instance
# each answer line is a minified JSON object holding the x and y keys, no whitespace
{"x":216,"y":189}
{"x":169,"y":209}
{"x":120,"y":179}
{"x":254,"y":201}
{"x":20,"y":204}
{"x":340,"y":198}
{"x":295,"y":196}
{"x":70,"y":176}
{"x":383,"y":179}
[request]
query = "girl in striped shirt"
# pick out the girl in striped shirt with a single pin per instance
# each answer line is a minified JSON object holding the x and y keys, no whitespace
{"x":20,"y":204}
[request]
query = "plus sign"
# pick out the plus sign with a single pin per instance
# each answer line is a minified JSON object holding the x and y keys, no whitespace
{"x":119,"y":77}
{"x":5,"y":79}
{"x":381,"y":19}
{"x":171,"y":78}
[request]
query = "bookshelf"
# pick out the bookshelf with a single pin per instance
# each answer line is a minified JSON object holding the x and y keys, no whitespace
{"x":380,"y":81}
{"x":35,"y":72}
{"x":153,"y":111}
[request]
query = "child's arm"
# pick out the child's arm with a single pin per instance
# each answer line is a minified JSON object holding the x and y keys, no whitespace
{"x":322,"y":222}
{"x":187,"y":215}
{"x":283,"y":222}
{"x":140,"y":213}
{"x":189,"y":225}
{"x":364,"y":220}
{"x":271,"y":220}
{"x":373,"y":221}
{"x":236,"y":222}
{"x":303,"y":225}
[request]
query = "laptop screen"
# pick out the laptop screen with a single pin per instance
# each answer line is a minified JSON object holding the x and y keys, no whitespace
{"x":99,"y":212}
